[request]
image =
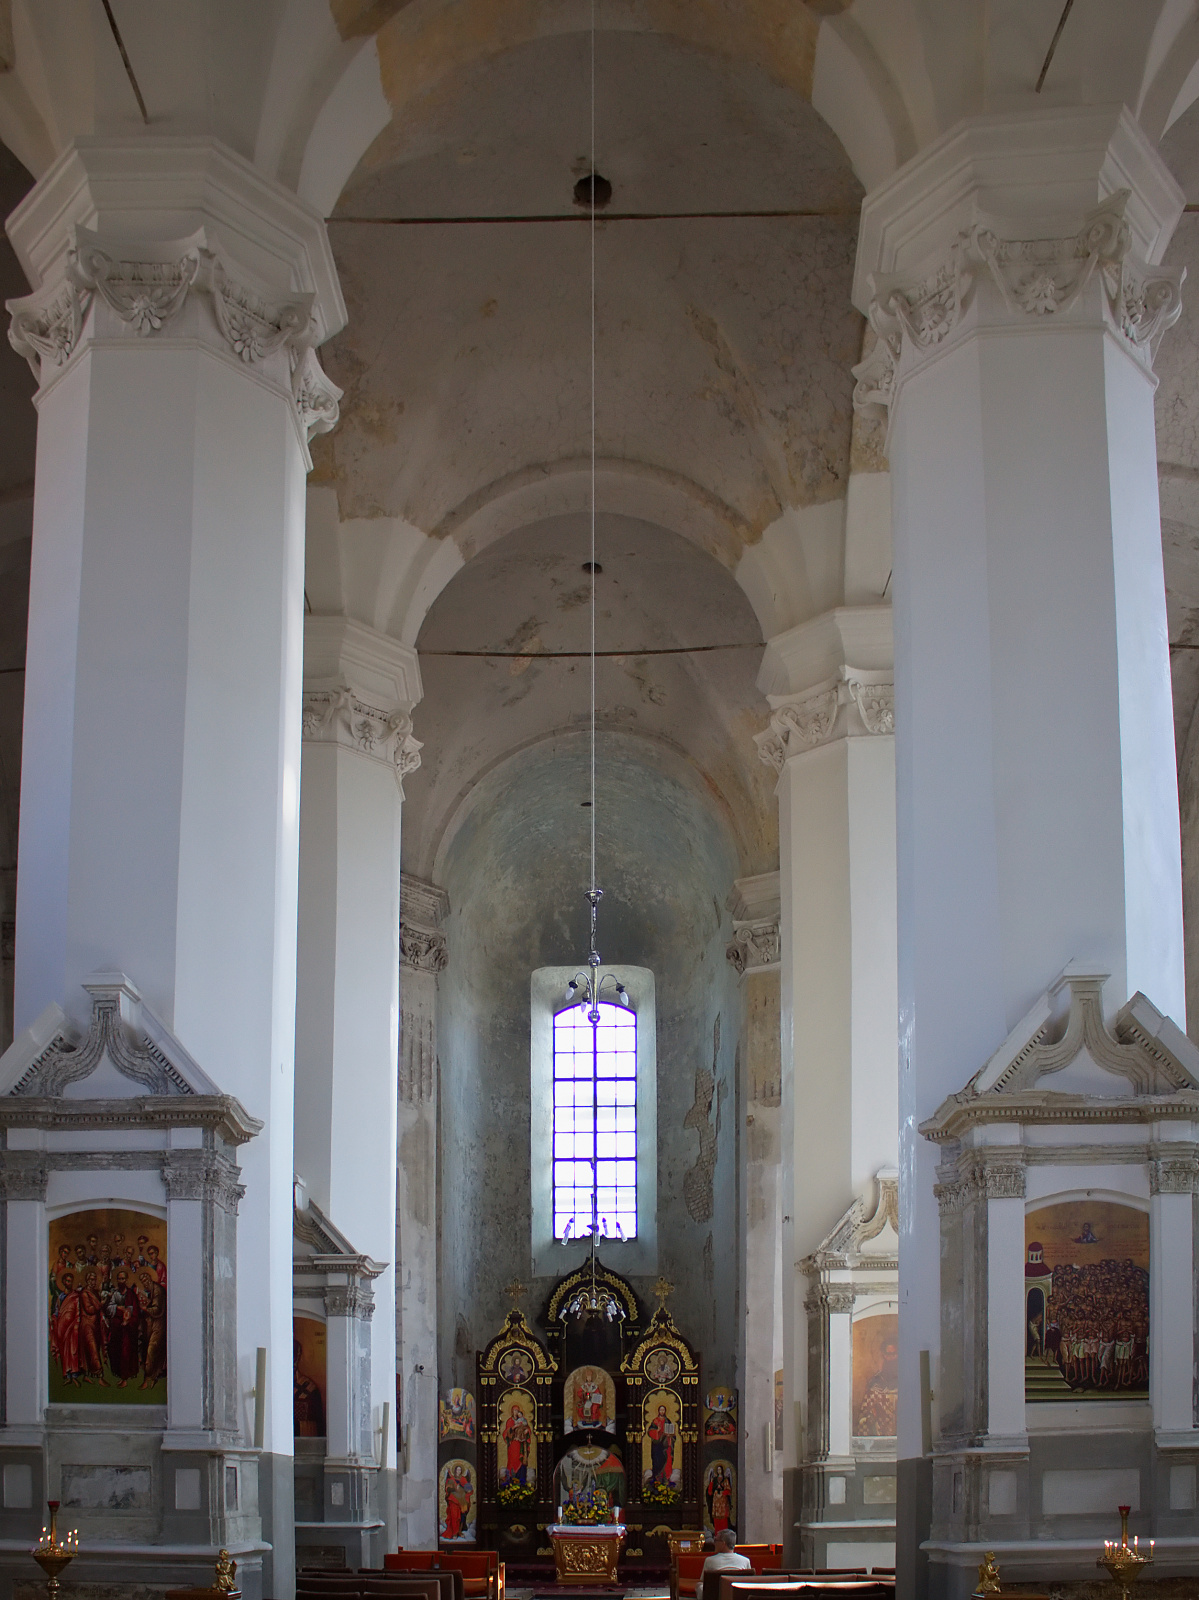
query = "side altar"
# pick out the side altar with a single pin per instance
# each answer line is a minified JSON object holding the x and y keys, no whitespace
{"x":589,"y":1430}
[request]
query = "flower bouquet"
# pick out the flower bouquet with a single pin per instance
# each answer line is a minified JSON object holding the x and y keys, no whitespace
{"x":660,"y":1494}
{"x":590,"y":1510}
{"x":516,"y":1494}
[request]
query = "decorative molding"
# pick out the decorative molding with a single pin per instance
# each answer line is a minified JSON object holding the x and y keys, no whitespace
{"x":803,"y":721}
{"x":338,"y":716}
{"x":1037,"y":278}
{"x":350,"y":1300}
{"x":423,"y":949}
{"x":1173,"y":1175}
{"x":146,"y":286}
{"x":755,"y":945}
{"x":24,"y":1175}
{"x":1158,"y":1064}
{"x":203,"y":1175}
{"x":839,"y":1300}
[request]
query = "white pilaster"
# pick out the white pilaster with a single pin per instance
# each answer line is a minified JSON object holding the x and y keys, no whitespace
{"x":831,"y":739}
{"x":359,"y":690}
{"x":422,"y":956}
{"x":178,"y":299}
{"x":1005,"y":272}
{"x":754,"y":952}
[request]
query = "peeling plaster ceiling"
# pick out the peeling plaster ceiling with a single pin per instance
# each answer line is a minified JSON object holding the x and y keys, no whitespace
{"x":528,"y":593}
{"x":724,"y":347}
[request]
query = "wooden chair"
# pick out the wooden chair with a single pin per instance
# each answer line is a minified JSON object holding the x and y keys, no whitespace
{"x":482,"y":1572}
{"x":690,"y":1566}
{"x":683,"y":1542}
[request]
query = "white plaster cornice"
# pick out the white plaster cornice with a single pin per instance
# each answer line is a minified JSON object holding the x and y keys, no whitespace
{"x":1016,"y":220}
{"x":359,"y":690}
{"x":756,"y":897}
{"x":814,"y":651}
{"x":181,"y":242}
{"x":167,"y":188}
{"x":1047,"y":168}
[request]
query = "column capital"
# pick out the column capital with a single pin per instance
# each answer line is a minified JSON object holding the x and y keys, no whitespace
{"x":359,"y":690}
{"x":1012,"y":220}
{"x":177,"y":240}
{"x":423,"y":906}
{"x":756,"y":908}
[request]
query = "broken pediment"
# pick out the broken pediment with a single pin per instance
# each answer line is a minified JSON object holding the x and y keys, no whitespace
{"x":1067,"y":1064}
{"x":868,"y":1232}
{"x":126,"y":1051}
{"x":319,"y":1245}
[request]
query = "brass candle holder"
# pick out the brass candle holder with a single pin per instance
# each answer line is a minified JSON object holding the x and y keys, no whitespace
{"x":1124,"y":1561}
{"x":53,"y":1555}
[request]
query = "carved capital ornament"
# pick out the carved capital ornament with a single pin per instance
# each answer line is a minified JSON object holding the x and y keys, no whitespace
{"x":107,"y":291}
{"x":1037,"y":279}
{"x":815,"y":716}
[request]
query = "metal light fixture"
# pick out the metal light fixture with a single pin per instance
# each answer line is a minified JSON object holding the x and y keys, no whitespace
{"x":587,"y":988}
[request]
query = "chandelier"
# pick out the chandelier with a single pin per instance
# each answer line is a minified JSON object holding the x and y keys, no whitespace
{"x":587,"y":988}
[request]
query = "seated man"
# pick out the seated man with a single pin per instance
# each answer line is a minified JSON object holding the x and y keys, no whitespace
{"x":726,"y":1558}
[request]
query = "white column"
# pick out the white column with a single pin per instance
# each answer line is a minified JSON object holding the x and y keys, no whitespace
{"x":422,"y":956}
{"x":831,"y":740}
{"x":1036,"y":791}
{"x":359,"y":690}
{"x":178,"y":298}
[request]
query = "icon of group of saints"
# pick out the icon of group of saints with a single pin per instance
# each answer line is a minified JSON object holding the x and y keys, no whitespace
{"x":457,"y":1415}
{"x":108,"y":1303}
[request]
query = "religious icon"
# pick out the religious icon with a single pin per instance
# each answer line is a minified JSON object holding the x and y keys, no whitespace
{"x":587,"y":1468}
{"x":1086,"y":1302}
{"x":309,"y":1377}
{"x":661,"y":1366}
{"x":661,"y":1458}
{"x":107,"y":1325}
{"x":720,"y":1496}
{"x":517,"y":1454}
{"x":457,"y":1503}
{"x":720,"y":1414}
{"x":516,"y":1367}
{"x":456,"y":1415}
{"x":589,"y":1397}
{"x":875,"y":1375}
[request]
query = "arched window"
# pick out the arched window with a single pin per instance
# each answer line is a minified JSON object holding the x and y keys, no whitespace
{"x":595,"y":1122}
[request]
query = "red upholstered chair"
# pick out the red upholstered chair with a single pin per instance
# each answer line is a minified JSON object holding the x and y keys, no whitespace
{"x":691,"y":1568}
{"x":482,"y":1572}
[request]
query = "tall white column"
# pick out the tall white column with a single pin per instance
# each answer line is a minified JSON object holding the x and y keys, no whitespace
{"x":178,"y":297}
{"x":1004,"y":270}
{"x":359,"y":690}
{"x":423,"y":907}
{"x":831,"y":740}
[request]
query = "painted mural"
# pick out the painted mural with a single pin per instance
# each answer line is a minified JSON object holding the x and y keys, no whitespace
{"x":457,"y":1502}
{"x":589,"y":1400}
{"x":516,"y":1413}
{"x":1086,"y":1301}
{"x":107,"y":1323}
{"x":587,"y":1468}
{"x":720,"y":1496}
{"x":456,"y":1415}
{"x":720,"y":1414}
{"x":875,"y":1375}
{"x":661,"y":1452}
{"x":309,"y":1347}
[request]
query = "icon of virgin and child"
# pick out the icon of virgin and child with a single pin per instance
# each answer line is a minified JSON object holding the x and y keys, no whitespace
{"x":516,"y":1413}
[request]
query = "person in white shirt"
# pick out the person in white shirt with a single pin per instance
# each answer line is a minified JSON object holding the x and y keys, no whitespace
{"x":726,"y":1558}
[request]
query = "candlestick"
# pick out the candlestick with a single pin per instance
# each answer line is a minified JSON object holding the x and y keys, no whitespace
{"x":1124,"y":1561}
{"x":52,"y":1554}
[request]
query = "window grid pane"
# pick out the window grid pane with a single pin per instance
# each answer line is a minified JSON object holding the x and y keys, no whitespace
{"x":595,"y":1119}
